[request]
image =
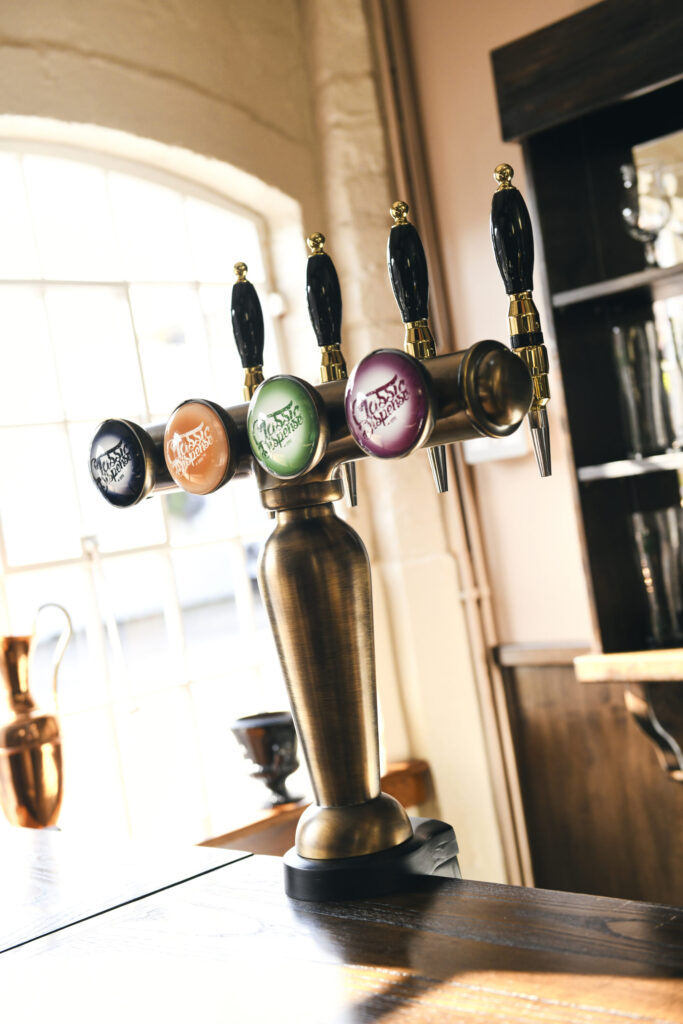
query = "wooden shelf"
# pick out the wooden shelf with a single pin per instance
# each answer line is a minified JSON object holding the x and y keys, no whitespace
{"x":663,"y":666}
{"x":631,"y":467}
{"x":537,"y":655}
{"x":641,"y":279}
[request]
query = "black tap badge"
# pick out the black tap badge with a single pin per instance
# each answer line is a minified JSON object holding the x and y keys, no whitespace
{"x":117,"y":463}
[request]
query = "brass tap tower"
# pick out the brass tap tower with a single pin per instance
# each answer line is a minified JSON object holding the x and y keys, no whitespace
{"x":314,"y":572}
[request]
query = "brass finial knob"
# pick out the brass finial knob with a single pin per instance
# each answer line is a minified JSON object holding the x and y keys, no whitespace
{"x":241,"y":271}
{"x":504,"y":175}
{"x":399,"y":211}
{"x":316,"y":243}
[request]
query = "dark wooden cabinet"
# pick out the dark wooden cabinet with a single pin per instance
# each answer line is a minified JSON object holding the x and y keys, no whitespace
{"x":581,"y":96}
{"x":596,"y":273}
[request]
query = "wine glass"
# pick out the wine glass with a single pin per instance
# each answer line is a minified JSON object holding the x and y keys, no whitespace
{"x":644,"y":207}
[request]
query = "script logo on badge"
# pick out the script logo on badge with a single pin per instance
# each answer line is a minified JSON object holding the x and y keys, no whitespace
{"x":186,"y":450}
{"x":273,"y":429}
{"x":377,"y":408}
{"x":108,"y":468}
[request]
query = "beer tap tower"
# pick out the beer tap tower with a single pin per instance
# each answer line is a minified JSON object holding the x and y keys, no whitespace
{"x":314,"y":572}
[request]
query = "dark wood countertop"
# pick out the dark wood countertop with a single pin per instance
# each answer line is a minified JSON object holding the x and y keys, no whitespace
{"x":229,"y":946}
{"x":50,"y":880}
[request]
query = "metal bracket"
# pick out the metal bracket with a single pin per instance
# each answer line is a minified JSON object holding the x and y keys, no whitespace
{"x":638,"y":700}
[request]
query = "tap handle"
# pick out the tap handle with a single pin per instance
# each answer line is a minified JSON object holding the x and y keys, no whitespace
{"x":407,"y":266}
{"x":324,"y":293}
{"x":511,"y":234}
{"x":513,"y":245}
{"x":247,"y":319}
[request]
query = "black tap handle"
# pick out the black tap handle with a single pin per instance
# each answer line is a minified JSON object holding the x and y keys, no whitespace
{"x":407,"y":267}
{"x":247,"y":319}
{"x":324,"y":294}
{"x":511,"y":234}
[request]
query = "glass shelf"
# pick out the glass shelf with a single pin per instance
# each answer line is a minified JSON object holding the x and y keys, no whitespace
{"x":631,"y":467}
{"x":641,"y":279}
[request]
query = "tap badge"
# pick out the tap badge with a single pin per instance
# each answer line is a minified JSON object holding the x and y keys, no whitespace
{"x":273,"y":429}
{"x":387,"y":404}
{"x":108,"y":468}
{"x":284,"y":427}
{"x":378,"y":407}
{"x":197,"y":447}
{"x":185,"y":451}
{"x":117,"y":463}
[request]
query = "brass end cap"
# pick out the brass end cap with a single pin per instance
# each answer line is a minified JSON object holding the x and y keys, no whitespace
{"x":316,"y":243}
{"x":241,"y":271}
{"x":325,"y":833}
{"x":399,"y":212}
{"x":504,"y":174}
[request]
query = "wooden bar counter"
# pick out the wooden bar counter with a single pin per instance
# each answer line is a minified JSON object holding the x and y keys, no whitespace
{"x":221,"y":942}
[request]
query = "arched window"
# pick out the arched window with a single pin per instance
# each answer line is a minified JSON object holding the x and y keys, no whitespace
{"x":115,"y":288}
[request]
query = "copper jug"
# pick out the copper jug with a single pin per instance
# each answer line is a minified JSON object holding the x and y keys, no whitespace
{"x":30,"y":746}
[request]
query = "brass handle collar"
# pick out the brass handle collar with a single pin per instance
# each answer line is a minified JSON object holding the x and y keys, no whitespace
{"x":253,"y":376}
{"x":523,"y":316}
{"x":419,"y":341}
{"x":332,"y":364}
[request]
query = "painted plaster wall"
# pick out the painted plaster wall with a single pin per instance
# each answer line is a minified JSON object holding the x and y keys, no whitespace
{"x":401,"y":518}
{"x":286,"y":95}
{"x":530,"y":525}
{"x":224,"y":79}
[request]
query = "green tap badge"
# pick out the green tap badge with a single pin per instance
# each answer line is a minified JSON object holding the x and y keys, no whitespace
{"x":284,"y":424}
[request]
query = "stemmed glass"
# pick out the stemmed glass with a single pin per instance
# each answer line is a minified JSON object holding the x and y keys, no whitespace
{"x":644,"y":207}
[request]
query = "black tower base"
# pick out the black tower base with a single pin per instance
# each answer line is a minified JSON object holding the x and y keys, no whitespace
{"x":433,"y":850}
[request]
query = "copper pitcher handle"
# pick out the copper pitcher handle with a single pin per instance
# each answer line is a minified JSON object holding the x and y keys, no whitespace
{"x":61,"y":646}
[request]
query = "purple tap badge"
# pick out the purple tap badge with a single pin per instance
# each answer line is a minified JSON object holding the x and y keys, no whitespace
{"x":387,"y":402}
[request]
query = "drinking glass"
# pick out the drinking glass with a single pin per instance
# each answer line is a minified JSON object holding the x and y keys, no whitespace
{"x":645,"y":208}
{"x":658,"y":548}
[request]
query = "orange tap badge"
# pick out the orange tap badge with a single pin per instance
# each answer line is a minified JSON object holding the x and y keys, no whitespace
{"x":198,"y":449}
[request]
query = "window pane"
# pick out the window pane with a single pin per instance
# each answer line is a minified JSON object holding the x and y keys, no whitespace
{"x":95,"y":350}
{"x":195,"y":519}
{"x":206,"y":591}
{"x":151,"y":226}
{"x":253,"y":521}
{"x":29,"y":392}
{"x":40,"y":518}
{"x":160,"y":758}
{"x":18,"y":254}
{"x":72,"y":219}
{"x":223,"y":354}
{"x":94,"y":800}
{"x":135,"y":592}
{"x":173,"y":348}
{"x":219,"y":239}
